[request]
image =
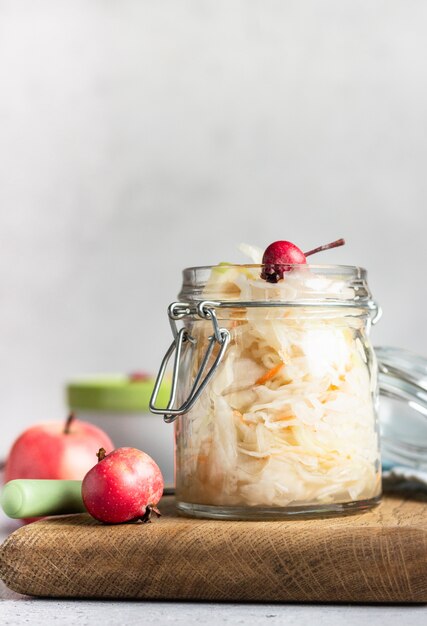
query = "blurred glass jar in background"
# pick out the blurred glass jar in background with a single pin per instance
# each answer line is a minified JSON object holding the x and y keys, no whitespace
{"x":403,"y":409}
{"x":120,"y":406}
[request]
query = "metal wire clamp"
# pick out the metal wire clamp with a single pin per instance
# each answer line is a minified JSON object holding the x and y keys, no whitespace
{"x":221,"y":336}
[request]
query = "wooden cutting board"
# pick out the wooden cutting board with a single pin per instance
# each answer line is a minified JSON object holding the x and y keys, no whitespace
{"x":378,"y":556}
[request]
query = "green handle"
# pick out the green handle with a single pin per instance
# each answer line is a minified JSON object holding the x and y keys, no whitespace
{"x":36,"y":498}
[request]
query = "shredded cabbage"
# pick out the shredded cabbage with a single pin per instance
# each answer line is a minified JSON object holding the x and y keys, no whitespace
{"x":289,"y":417}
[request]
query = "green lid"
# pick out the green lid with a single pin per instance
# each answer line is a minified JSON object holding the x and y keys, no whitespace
{"x":115,"y":393}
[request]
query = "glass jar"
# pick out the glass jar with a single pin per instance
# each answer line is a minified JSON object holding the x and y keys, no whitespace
{"x":403,"y":410}
{"x":119,"y":405}
{"x":274,"y":393}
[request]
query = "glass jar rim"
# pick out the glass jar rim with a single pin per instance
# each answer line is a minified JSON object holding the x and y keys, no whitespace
{"x":241,"y":285}
{"x":356,"y":270}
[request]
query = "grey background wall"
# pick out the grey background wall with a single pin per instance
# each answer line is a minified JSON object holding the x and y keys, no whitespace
{"x":140,"y":137}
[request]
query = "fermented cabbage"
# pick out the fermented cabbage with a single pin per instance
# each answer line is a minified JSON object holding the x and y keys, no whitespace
{"x":289,"y":418}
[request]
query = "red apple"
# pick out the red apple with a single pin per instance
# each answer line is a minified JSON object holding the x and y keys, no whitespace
{"x":123,"y":486}
{"x":55,"y":450}
{"x":280,"y":256}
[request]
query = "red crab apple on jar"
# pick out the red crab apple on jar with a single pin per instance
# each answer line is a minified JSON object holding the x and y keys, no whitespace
{"x":280,"y":254}
{"x":124,"y":486}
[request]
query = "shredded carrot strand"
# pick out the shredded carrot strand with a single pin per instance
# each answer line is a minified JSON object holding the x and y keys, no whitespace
{"x":270,"y":374}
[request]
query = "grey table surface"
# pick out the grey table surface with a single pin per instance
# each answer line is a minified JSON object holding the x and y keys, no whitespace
{"x":18,"y":609}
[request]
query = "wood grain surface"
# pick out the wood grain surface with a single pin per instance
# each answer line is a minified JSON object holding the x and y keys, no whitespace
{"x":378,"y":556}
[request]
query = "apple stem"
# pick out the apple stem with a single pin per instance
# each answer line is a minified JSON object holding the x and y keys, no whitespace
{"x":327,"y":246}
{"x":70,"y":420}
{"x":101,"y":454}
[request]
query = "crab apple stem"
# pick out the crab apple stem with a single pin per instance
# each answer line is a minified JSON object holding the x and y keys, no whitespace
{"x":101,"y":454}
{"x":149,"y":509}
{"x":70,"y":420}
{"x":156,"y":510}
{"x":327,"y":246}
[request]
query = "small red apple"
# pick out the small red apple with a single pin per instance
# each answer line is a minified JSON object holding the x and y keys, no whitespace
{"x":124,"y":486}
{"x":55,"y":450}
{"x":280,"y":255}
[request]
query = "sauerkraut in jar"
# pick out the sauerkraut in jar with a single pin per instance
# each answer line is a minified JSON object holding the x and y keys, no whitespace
{"x":285,"y":422}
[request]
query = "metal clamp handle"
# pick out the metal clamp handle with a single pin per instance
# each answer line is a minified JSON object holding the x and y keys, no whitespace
{"x":221,"y":336}
{"x":375,"y":311}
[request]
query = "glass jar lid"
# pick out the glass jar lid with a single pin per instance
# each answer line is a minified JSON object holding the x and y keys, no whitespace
{"x":403,"y":407}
